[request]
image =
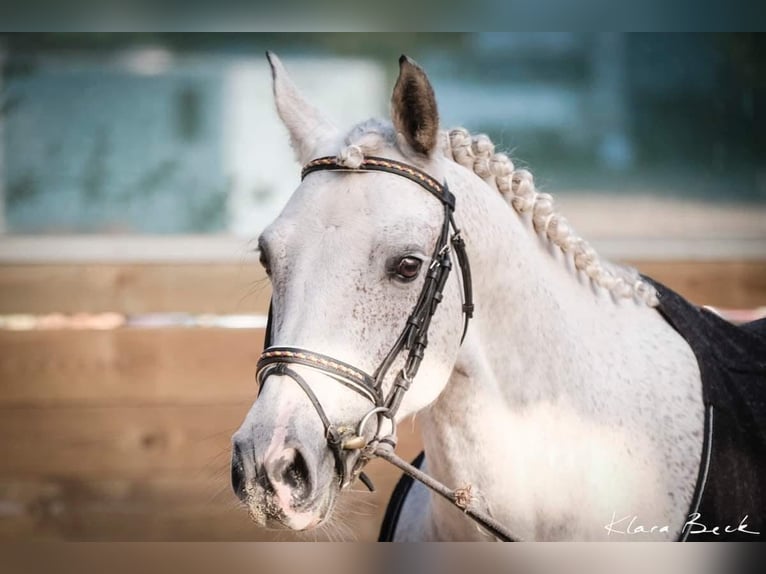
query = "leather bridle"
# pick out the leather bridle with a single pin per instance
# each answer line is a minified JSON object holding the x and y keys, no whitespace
{"x":345,"y":441}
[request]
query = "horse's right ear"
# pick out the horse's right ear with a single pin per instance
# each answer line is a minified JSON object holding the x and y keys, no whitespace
{"x":413,"y":108}
{"x":306,"y":125}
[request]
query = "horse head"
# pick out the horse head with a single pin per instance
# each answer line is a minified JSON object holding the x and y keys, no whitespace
{"x":360,"y":253}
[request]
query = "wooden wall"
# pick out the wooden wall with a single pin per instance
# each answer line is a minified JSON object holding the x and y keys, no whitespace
{"x":124,"y":434}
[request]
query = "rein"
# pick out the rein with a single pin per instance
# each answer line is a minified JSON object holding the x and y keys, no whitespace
{"x":351,"y":449}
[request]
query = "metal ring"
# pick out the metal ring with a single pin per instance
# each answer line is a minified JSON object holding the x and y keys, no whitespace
{"x":365,"y":418}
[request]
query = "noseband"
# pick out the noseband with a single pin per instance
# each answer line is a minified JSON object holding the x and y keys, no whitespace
{"x":344,"y":442}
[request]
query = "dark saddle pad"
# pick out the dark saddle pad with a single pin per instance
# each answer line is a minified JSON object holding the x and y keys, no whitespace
{"x":732,"y":362}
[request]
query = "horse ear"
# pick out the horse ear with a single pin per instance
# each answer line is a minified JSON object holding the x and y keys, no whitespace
{"x":413,"y":107}
{"x":306,"y":125}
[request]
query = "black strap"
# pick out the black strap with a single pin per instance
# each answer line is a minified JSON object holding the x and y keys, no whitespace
{"x":414,"y":336}
{"x":458,"y":244}
{"x":333,"y":437}
{"x":267,"y":336}
{"x":348,"y":375}
{"x":373,"y":163}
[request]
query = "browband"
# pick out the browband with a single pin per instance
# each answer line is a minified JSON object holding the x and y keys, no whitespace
{"x":373,"y":163}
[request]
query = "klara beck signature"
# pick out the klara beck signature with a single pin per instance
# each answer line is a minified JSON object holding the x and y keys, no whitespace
{"x":630,"y":525}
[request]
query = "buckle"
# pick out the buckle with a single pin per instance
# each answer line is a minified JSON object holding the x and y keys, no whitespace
{"x":436,"y":261}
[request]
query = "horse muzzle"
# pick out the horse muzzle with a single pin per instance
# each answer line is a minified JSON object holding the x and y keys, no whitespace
{"x":281,"y":485}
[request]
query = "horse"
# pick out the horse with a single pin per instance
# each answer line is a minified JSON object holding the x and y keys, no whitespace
{"x":572,"y":406}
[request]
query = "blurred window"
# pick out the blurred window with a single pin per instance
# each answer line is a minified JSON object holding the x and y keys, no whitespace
{"x":116,"y":134}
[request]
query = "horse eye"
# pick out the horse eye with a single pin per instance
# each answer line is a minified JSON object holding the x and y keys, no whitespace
{"x":408,"y":268}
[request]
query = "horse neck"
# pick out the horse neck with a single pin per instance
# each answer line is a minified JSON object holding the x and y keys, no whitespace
{"x":536,"y":315}
{"x":533,"y":360}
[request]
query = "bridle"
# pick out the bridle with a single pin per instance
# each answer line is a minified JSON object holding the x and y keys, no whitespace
{"x":344,"y":442}
{"x":413,"y":338}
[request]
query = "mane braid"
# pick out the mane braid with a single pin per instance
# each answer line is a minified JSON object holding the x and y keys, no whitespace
{"x":477,"y":153}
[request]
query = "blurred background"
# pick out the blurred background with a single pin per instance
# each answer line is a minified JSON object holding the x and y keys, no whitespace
{"x":136,"y":169}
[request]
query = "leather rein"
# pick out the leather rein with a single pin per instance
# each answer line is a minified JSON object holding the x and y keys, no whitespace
{"x":350,"y":447}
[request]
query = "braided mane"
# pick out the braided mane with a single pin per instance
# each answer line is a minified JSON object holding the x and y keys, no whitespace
{"x":517,"y":187}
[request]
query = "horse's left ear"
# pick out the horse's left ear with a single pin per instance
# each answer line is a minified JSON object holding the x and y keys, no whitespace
{"x":413,"y":108}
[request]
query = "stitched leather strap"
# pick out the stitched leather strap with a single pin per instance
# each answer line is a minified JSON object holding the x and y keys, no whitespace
{"x":373,"y":163}
{"x":346,"y":374}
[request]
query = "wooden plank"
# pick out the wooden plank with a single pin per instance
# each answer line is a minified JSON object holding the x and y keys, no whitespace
{"x":216,"y":366}
{"x":129,"y":366}
{"x":116,"y":442}
{"x":734,"y":284}
{"x":227,"y":288}
{"x":165,"y":509}
{"x":103,"y":443}
{"x":121,"y":509}
{"x":134,"y":288}
{"x":82,"y":500}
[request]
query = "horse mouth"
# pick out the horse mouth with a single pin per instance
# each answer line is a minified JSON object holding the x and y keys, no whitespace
{"x":268,"y":510}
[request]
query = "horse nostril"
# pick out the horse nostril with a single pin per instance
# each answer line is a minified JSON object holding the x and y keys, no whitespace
{"x":296,"y":474}
{"x":238,"y":475}
{"x":292,"y":470}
